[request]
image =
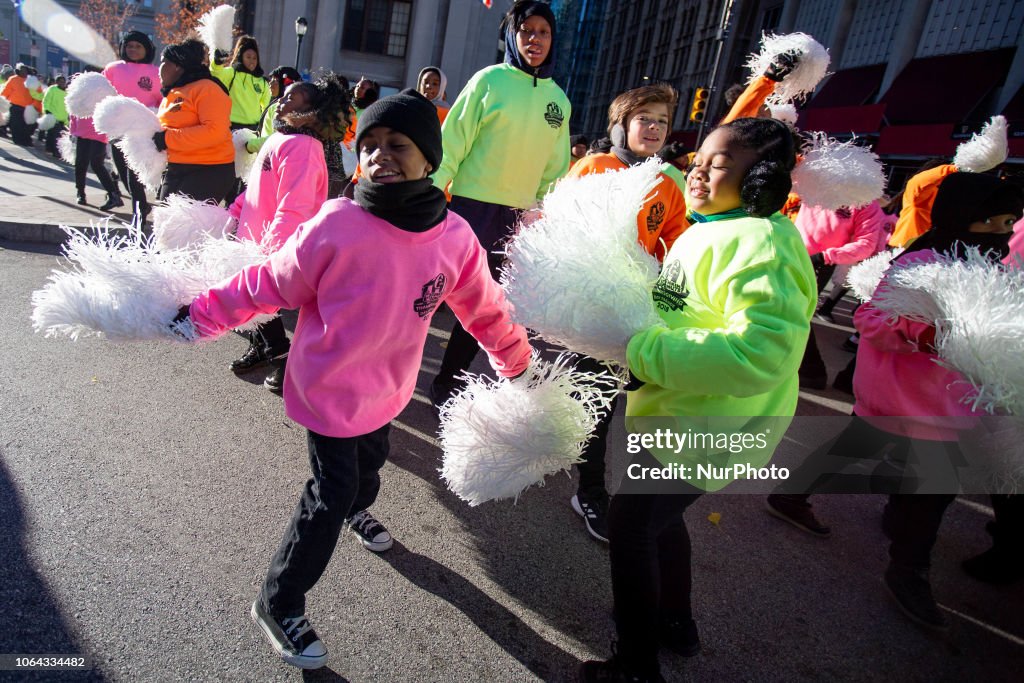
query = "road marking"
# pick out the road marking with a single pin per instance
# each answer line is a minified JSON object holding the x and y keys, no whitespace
{"x":440,"y":334}
{"x":843,"y":407}
{"x":977,"y":507}
{"x":988,"y":627}
{"x":417,"y":433}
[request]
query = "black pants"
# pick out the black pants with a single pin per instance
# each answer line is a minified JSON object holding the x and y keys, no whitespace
{"x":201,"y":182}
{"x":136,"y":190}
{"x":492,"y":224}
{"x":271,"y":336}
{"x":345,"y":480}
{"x":21,"y":132}
{"x":90,"y":154}
{"x":812,"y":364}
{"x":52,"y":135}
{"x":649,"y":549}
{"x":1008,"y":530}
{"x":592,"y":468}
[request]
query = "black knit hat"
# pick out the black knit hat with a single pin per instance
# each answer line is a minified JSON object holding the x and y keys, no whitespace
{"x":411,"y":114}
{"x":140,"y":38}
{"x":188,"y":54}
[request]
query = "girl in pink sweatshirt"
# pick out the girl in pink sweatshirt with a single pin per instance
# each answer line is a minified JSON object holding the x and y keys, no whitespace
{"x":366,"y":276}
{"x":135,"y":76}
{"x":287,"y":185}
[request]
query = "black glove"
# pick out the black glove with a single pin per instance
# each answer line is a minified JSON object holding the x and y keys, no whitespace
{"x":634,"y":382}
{"x":159,"y":139}
{"x":220,"y":56}
{"x":818,"y":261}
{"x":782,"y":66}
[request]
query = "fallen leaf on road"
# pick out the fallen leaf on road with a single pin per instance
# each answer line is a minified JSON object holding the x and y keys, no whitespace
{"x":715,"y":518}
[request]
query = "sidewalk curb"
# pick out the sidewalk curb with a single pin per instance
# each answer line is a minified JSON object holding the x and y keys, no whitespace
{"x":44,"y":233}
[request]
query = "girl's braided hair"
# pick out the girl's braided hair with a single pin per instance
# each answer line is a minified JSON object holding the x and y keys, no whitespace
{"x":767,"y":184}
{"x":330,"y":103}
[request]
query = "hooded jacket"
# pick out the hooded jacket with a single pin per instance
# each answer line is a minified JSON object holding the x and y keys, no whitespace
{"x":250,"y":92}
{"x":439,"y":101}
{"x":843,"y":237}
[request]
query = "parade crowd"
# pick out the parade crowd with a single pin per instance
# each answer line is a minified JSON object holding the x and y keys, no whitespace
{"x":374,"y":211}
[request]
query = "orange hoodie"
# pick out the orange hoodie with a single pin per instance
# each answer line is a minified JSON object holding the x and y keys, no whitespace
{"x":916,"y":215}
{"x":750,"y":101}
{"x":663,"y":217}
{"x":19,"y":95}
{"x":197,"y":118}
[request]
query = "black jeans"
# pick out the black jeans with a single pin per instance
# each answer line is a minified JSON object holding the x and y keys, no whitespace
{"x":21,"y":132}
{"x":649,"y":549}
{"x":52,"y":135}
{"x":271,"y":336}
{"x":594,"y":451}
{"x":90,"y":154}
{"x":201,"y":182}
{"x":345,"y":480}
{"x":134,"y":186}
{"x":492,"y":224}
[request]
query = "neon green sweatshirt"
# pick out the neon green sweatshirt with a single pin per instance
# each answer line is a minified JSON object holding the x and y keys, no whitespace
{"x":505,"y":140}
{"x":250,"y":94}
{"x":736,"y":297}
{"x":53,"y":103}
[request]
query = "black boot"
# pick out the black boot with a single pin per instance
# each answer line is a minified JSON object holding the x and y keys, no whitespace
{"x":81,"y":198}
{"x":113,"y":201}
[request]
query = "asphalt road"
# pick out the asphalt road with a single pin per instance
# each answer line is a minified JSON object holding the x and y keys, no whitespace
{"x":143,"y":488}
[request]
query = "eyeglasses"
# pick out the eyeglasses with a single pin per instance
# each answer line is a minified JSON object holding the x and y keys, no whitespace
{"x":646,"y":121}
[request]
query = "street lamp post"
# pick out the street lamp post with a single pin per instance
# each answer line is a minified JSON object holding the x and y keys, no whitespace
{"x":301,"y":25}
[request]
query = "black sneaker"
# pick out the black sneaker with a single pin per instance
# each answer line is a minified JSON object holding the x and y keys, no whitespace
{"x":592,"y":506}
{"x":798,"y":512}
{"x":851,"y":343}
{"x":275,"y":380}
{"x":372,"y":533}
{"x":293,"y":638}
{"x":611,"y":671}
{"x":913,"y":593}
{"x":254,"y":357}
{"x":680,"y":636}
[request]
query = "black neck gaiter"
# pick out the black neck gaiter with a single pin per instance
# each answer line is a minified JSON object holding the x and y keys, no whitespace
{"x":414,"y":206}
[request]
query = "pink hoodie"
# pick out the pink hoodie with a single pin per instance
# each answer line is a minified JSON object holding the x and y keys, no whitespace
{"x":287,"y":186}
{"x":366,"y":292}
{"x":138,"y":81}
{"x":83,"y":128}
{"x":843,"y":239}
{"x":897,"y":374}
{"x":1016,"y":257}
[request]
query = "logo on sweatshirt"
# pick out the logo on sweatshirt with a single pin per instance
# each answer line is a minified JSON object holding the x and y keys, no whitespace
{"x":429,"y":296}
{"x":265,"y":166}
{"x":146,"y":83}
{"x":656,"y":216}
{"x":553,"y":115}
{"x":670,"y":295}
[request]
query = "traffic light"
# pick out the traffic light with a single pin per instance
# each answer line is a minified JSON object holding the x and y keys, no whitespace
{"x":700,"y":104}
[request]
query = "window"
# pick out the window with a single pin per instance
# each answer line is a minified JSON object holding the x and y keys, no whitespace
{"x":377,"y":26}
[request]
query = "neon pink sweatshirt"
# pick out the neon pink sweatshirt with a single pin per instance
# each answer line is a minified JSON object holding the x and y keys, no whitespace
{"x":365,"y":291}
{"x":83,"y":128}
{"x":843,"y":238}
{"x":138,"y":81}
{"x":1016,"y":256}
{"x":287,"y":186}
{"x":897,"y":374}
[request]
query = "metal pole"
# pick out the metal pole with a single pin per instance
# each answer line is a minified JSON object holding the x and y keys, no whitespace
{"x":298,"y":49}
{"x":723,"y":32}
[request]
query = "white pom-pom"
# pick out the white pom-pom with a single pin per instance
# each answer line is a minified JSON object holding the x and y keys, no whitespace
{"x":501,"y":436}
{"x":32,"y":83}
{"x":215,"y":28}
{"x":784,"y":111}
{"x":5,"y":110}
{"x":132,"y":124}
{"x":243,"y":159}
{"x":181,"y":221}
{"x":121,"y":287}
{"x":86,"y":91}
{"x":835,"y":174}
{"x":985,"y":150}
{"x":811,"y":67}
{"x":66,"y":147}
{"x":577,"y":275}
{"x":31,"y":115}
{"x":47,"y":121}
{"x":864,"y":277}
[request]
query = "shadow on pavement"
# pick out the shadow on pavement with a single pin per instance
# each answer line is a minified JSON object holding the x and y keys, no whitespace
{"x":545,"y":660}
{"x":30,"y":619}
{"x":324,"y":675}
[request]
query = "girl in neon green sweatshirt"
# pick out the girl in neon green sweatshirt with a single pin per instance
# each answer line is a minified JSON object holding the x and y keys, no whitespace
{"x":736,"y":294}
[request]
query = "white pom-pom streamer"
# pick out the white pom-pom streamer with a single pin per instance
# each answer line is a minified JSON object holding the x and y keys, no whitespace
{"x":784,"y":111}
{"x":5,"y":111}
{"x":503,"y":436}
{"x":834,"y":174}
{"x":243,"y":159}
{"x":214,"y":28}
{"x":577,"y":275}
{"x":66,"y":147}
{"x":31,"y":115}
{"x":181,"y":221}
{"x":132,"y":124}
{"x":32,"y":83}
{"x":812,"y":64}
{"x":864,"y":277}
{"x":985,"y":150}
{"x":121,"y":287}
{"x":47,"y":121}
{"x":86,"y":91}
